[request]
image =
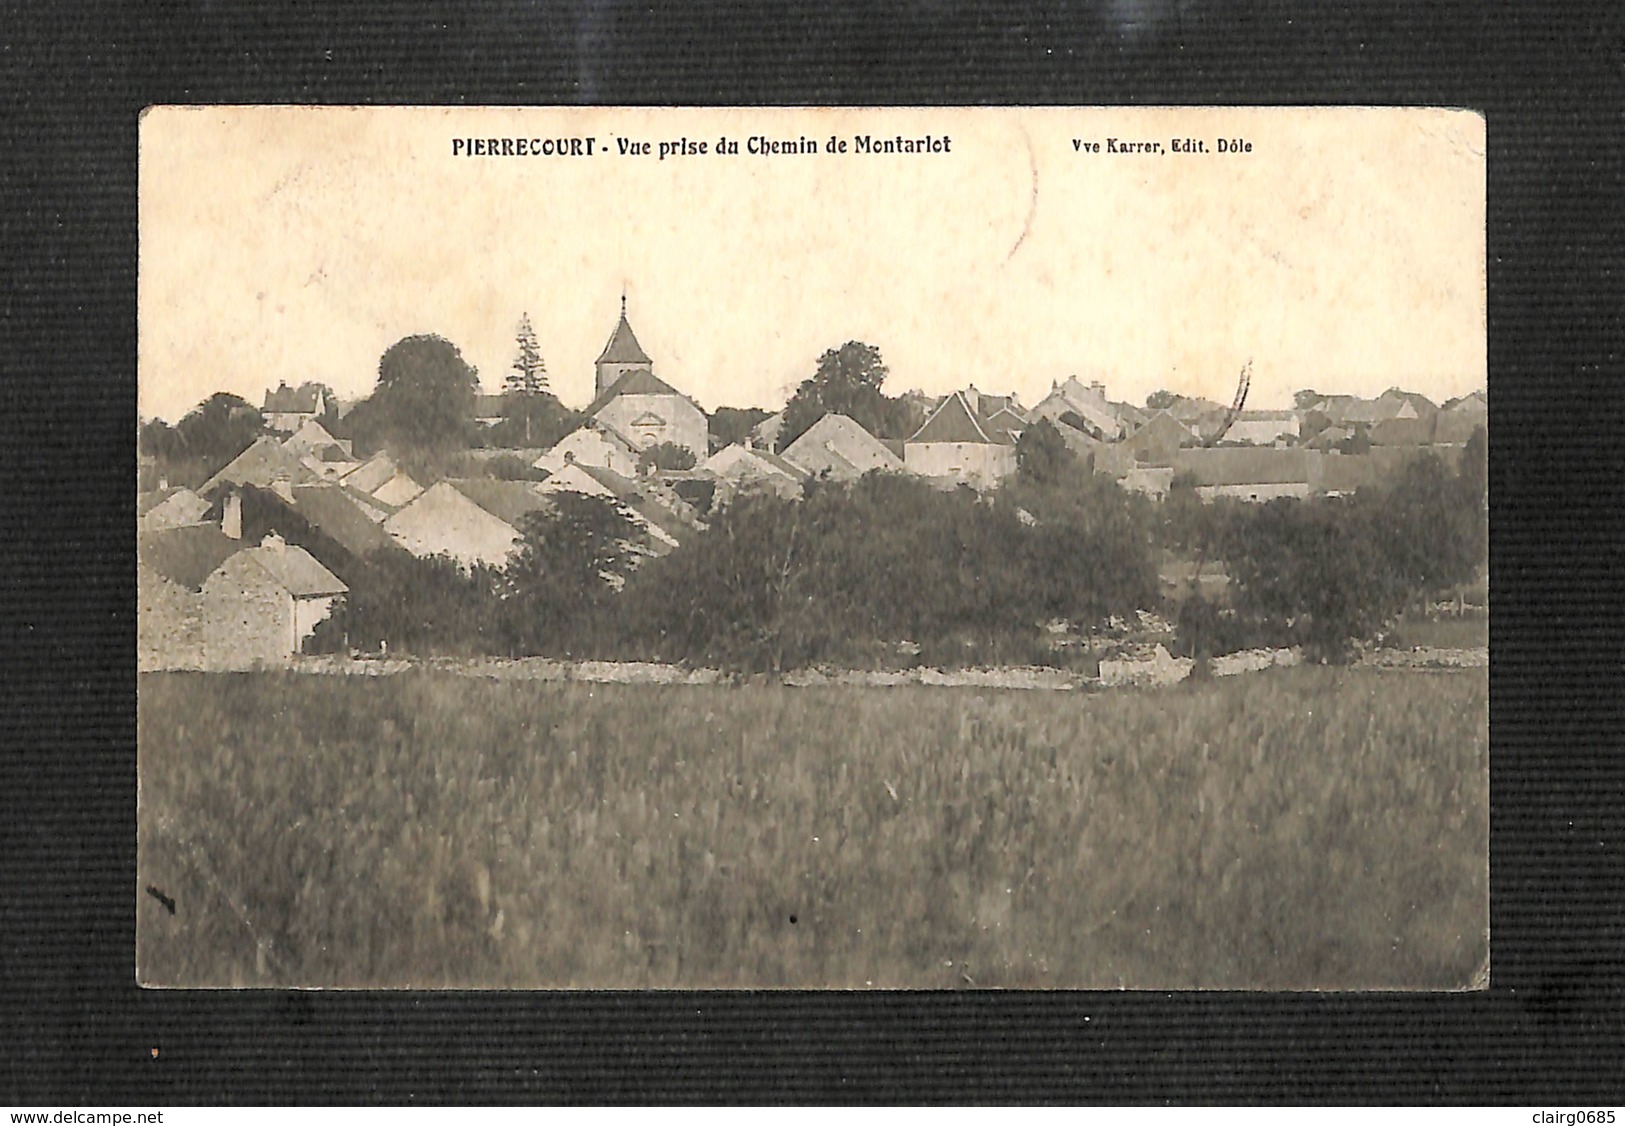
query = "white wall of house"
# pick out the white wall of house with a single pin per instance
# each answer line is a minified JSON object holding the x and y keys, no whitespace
{"x":977,"y":463}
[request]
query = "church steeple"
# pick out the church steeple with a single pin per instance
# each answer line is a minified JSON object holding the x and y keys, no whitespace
{"x":621,"y":354}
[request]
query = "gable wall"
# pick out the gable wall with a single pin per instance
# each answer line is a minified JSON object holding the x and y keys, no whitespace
{"x":973,"y":462}
{"x":684,"y":423}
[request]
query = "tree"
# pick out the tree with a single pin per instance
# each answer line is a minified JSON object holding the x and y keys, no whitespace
{"x":424,"y":397}
{"x":1041,"y":453}
{"x":848,"y":381}
{"x":529,"y":374}
{"x":1160,"y":400}
{"x":573,"y":556}
{"x":732,"y":425}
{"x":1306,"y":398}
{"x":218,"y":429}
{"x":665,"y":455}
{"x":532,"y":421}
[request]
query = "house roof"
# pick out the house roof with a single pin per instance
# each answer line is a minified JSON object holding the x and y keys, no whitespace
{"x":1076,"y":440}
{"x":260,"y":464}
{"x":1244,"y":465}
{"x":953,"y":421}
{"x":311,"y":435}
{"x":330,"y":509}
{"x":1403,"y":432}
{"x":371,"y":474}
{"x":179,"y":495}
{"x":1352,"y":408}
{"x":623,"y":346}
{"x":838,"y":438}
{"x":186,"y":555}
{"x":1004,"y":424}
{"x":295,"y":569}
{"x":763,"y":461}
{"x":399,"y":490}
{"x":508,"y":501}
{"x":1423,"y":405}
{"x":1161,"y":427}
{"x":1458,"y":426}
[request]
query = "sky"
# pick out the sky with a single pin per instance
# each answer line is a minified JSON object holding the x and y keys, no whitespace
{"x":1344,"y":251}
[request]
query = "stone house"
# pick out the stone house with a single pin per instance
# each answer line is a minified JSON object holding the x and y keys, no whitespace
{"x":954,"y":445}
{"x":262,"y":603}
{"x":288,"y":408}
{"x":206,"y":601}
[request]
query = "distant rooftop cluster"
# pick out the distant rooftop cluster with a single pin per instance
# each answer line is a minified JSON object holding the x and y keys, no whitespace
{"x":224,"y":585}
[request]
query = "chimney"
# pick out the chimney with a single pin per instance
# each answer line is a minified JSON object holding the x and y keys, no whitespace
{"x":282,"y":486}
{"x":231,"y":516}
{"x":274,"y":542}
{"x":1098,"y":387}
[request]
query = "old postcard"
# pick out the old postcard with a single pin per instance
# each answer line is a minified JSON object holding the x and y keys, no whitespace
{"x":812,"y":548}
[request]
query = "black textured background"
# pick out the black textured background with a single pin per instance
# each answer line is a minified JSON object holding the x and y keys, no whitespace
{"x":76,"y":1030}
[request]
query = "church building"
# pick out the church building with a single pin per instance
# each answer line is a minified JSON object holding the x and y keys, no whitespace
{"x":635,"y":403}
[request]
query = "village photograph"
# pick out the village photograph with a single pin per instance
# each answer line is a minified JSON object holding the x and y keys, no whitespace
{"x":789,"y":548}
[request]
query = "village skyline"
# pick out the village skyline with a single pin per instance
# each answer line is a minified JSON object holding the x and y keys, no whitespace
{"x":1010,"y":263}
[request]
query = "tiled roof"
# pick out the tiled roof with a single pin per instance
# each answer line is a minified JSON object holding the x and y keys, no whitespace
{"x":1403,"y":432}
{"x":260,"y":464}
{"x":623,"y":346}
{"x":186,"y":555}
{"x":1244,"y":465}
{"x":953,"y":421}
{"x":296,"y":570}
{"x":836,"y":436}
{"x":639,"y":382}
{"x":508,"y":501}
{"x":330,"y":510}
{"x":371,"y":474}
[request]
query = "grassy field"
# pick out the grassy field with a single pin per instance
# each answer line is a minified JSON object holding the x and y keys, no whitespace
{"x":1300,"y":828}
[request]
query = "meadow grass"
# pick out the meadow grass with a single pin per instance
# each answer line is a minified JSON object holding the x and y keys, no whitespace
{"x":1301,"y":828}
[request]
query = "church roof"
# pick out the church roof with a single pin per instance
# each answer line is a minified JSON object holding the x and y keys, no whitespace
{"x":639,"y":381}
{"x":623,"y":346}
